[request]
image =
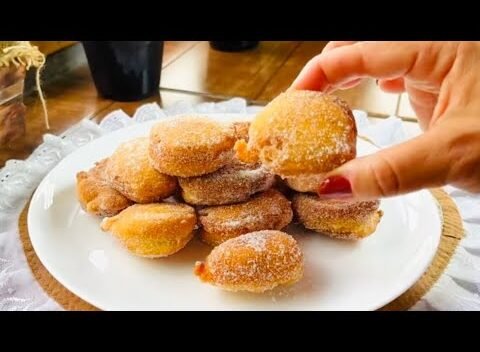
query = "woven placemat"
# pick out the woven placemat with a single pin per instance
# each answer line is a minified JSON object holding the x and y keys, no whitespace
{"x":452,"y":233}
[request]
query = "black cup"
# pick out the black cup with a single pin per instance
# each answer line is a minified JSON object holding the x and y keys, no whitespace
{"x":125,"y":70}
{"x":232,"y":46}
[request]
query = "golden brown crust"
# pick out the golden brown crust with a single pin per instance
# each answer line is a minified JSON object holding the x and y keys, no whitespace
{"x":305,"y":183}
{"x":243,"y":153}
{"x":190,"y":146}
{"x":301,"y":132}
{"x":269,"y":210}
{"x":129,"y":171}
{"x":255,"y":262}
{"x":344,"y":219}
{"x":153,"y":230}
{"x":233,"y":183}
{"x":95,"y":196}
{"x":241,"y":129}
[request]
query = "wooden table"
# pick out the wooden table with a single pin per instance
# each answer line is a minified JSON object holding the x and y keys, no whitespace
{"x":192,"y":71}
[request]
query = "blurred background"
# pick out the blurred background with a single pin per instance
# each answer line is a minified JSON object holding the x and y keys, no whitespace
{"x":194,"y":71}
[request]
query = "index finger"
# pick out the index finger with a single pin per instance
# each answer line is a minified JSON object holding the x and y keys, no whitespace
{"x":381,"y":60}
{"x":336,"y":44}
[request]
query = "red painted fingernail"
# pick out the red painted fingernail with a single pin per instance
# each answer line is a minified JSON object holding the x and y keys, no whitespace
{"x":335,"y":185}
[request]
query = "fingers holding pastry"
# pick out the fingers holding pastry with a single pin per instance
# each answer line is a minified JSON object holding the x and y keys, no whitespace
{"x":345,"y":63}
{"x":301,"y":132}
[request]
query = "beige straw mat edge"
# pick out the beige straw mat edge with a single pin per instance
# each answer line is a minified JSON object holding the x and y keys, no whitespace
{"x":452,"y":233}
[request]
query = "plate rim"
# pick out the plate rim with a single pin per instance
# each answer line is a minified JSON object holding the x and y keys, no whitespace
{"x":87,"y":298}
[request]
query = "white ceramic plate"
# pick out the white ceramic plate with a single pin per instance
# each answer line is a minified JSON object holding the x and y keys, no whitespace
{"x":340,"y":275}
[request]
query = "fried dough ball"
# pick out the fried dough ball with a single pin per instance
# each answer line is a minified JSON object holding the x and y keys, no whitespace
{"x":153,"y":230}
{"x":241,"y":129}
{"x":269,"y":210}
{"x":305,"y":183}
{"x":255,"y":262}
{"x":96,"y":196}
{"x":191,"y":146}
{"x":301,"y":132}
{"x":129,"y":171}
{"x":233,"y":183}
{"x":344,"y":219}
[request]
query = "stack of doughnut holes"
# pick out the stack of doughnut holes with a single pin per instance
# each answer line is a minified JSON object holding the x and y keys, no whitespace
{"x":234,"y":185}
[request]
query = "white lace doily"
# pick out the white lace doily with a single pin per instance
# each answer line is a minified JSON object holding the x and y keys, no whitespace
{"x":457,"y":289}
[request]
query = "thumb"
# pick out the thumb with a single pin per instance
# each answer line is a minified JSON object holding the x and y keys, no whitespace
{"x":422,"y":162}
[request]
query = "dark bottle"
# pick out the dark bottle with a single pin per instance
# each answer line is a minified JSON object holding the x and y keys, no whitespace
{"x":125,"y":70}
{"x":233,"y":46}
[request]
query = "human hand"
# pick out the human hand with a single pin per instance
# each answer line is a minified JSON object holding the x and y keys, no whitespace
{"x":442,"y":80}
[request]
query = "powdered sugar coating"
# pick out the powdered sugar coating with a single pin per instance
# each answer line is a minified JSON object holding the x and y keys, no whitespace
{"x":191,"y":146}
{"x":241,"y":129}
{"x":343,"y":219}
{"x":269,"y":210}
{"x":129,"y":171}
{"x":255,"y":262}
{"x":305,"y":183}
{"x":256,"y":242}
{"x":233,"y":183}
{"x":96,"y":196}
{"x":303,"y":132}
{"x":153,"y":230}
